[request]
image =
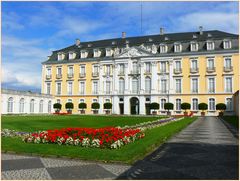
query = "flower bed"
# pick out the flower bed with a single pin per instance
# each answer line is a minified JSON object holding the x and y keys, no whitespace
{"x":87,"y":137}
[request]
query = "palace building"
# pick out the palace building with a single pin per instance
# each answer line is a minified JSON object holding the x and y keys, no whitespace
{"x":132,"y":72}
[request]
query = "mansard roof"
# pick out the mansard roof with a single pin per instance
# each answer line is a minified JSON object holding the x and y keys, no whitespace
{"x":184,"y":38}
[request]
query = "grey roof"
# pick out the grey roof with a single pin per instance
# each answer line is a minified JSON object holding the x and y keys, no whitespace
{"x":27,"y":93}
{"x":183,"y":38}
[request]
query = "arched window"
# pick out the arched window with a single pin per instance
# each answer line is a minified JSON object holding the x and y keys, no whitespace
{"x":135,"y":86}
{"x":178,"y":104}
{"x":148,"y":85}
{"x":21,"y":105}
{"x":195,"y":104}
{"x":32,"y":106}
{"x":81,"y":101}
{"x":212,"y":104}
{"x":121,"y":85}
{"x":10,"y":105}
{"x":41,"y":106}
{"x":49,"y":106}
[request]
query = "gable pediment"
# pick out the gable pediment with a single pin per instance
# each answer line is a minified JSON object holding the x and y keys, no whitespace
{"x":133,"y":52}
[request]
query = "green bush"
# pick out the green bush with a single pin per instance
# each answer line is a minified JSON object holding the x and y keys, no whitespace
{"x":185,"y":106}
{"x":168,"y":106}
{"x":107,"y":105}
{"x":69,"y":105}
{"x":82,"y":105}
{"x":202,"y":106}
{"x":57,"y":106}
{"x":154,"y":105}
{"x":221,"y":107}
{"x":95,"y":105}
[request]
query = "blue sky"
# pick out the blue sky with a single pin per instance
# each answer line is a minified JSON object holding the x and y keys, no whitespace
{"x":31,"y":30}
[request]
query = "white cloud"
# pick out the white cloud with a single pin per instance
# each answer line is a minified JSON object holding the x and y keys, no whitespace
{"x":11,"y":21}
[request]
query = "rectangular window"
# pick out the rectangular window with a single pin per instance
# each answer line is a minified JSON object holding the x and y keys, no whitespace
{"x":178,"y":104}
{"x":70,"y":88}
{"x":228,"y":84}
{"x":48,"y":88}
{"x":194,"y":47}
{"x":108,"y":70}
{"x":147,"y":85}
{"x":227,"y":44}
{"x":163,"y":67}
{"x":60,"y":56}
{"x":95,"y":87}
{"x":148,"y":67}
{"x":163,"y":86}
{"x":82,"y":87}
{"x":194,"y":85}
{"x":229,"y":104}
{"x":212,"y":104}
{"x":163,"y":48}
{"x":194,"y":104}
{"x":48,"y":71}
{"x":177,"y":48}
{"x":211,"y":63}
{"x":108,"y":87}
{"x":210,"y":45}
{"x":135,"y":67}
{"x":82,"y":70}
{"x":83,"y":54}
{"x":121,"y":86}
{"x":95,"y":69}
{"x":163,"y":101}
{"x":59,"y":71}
{"x":108,"y":52}
{"x":211,"y":85}
{"x":135,"y":85}
{"x":70,"y":70}
{"x":59,"y":86}
{"x":121,"y":69}
{"x":70,"y":56}
{"x":178,"y":65}
{"x":178,"y":85}
{"x":228,"y":63}
{"x":194,"y":64}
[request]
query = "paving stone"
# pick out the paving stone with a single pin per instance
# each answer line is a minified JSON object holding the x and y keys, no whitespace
{"x":27,"y":174}
{"x":80,"y":172}
{"x":21,"y":164}
{"x":13,"y":157}
{"x":115,"y":169}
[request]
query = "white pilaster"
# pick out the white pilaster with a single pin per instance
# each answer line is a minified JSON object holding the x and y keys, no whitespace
{"x":142,"y":110}
{"x":115,"y":79}
{"x":115,"y":105}
{"x":100,"y":79}
{"x":154,"y":78}
{"x":142,"y":79}
{"x":126,"y":78}
{"x":100,"y":100}
{"x":170,"y":79}
{"x":126,"y":105}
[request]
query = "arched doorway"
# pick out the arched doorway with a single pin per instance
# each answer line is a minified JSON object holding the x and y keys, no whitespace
{"x":134,"y":104}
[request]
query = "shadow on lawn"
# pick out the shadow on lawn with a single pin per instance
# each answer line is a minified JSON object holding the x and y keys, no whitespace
{"x":187,"y":161}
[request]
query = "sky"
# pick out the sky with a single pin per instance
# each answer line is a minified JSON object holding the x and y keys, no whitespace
{"x":32,"y":30}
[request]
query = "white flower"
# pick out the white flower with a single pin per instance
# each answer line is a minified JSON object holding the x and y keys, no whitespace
{"x":85,"y":142}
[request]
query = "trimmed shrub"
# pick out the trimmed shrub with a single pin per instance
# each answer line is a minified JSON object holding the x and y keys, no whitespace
{"x":95,"y":105}
{"x":185,"y":106}
{"x":57,"y":106}
{"x":154,"y":105}
{"x":69,"y":105}
{"x":168,"y":106}
{"x":82,"y":105}
{"x":221,"y":107}
{"x":202,"y":106}
{"x":107,"y":105}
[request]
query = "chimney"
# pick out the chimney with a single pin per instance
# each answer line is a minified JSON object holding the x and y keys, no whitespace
{"x":77,"y":42}
{"x":123,"y":34}
{"x":200,"y":30}
{"x":161,"y":31}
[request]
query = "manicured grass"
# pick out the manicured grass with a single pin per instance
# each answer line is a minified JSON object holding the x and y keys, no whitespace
{"x":36,"y":123}
{"x":233,"y":120}
{"x":127,"y":154}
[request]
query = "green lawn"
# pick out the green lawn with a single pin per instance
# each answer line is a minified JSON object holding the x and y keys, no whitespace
{"x":127,"y":154}
{"x":36,"y":123}
{"x":233,"y":120}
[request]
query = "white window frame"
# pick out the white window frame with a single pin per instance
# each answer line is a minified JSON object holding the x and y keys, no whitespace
{"x":69,"y":67}
{"x":71,"y":55}
{"x":208,"y":60}
{"x":96,"y":53}
{"x":224,"y":44}
{"x":46,"y":91}
{"x":150,"y":84}
{"x":229,"y":110}
{"x":59,"y":68}
{"x":163,"y":48}
{"x":175,"y":80}
{"x":209,"y":104}
{"x":175,"y":64}
{"x":175,"y":47}
{"x":96,"y":91}
{"x":192,"y":85}
{"x":41,"y":102}
{"x":208,"y":87}
{"x":225,"y":59}
{"x":10,"y":105}
{"x":48,"y":71}
{"x":225,"y":83}
{"x":84,"y":90}
{"x":176,"y":104}
{"x":68,"y":88}
{"x":21,"y":105}
{"x":60,"y":56}
{"x":192,"y":104}
{"x":194,"y":59}
{"x":108,"y":52}
{"x":121,"y":91}
{"x":57,"y":88}
{"x":161,"y":87}
{"x":162,"y":106}
{"x":208,"y":45}
{"x":191,"y":45}
{"x":83,"y":54}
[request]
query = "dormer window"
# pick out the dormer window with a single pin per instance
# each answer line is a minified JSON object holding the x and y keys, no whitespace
{"x":84,"y":54}
{"x":210,"y":45}
{"x":177,"y":47}
{"x":96,"y":53}
{"x":60,"y":56}
{"x":194,"y":36}
{"x":166,"y":38}
{"x":226,"y":44}
{"x":71,"y":55}
{"x":194,"y":46}
{"x":163,"y":48}
{"x":108,"y":52}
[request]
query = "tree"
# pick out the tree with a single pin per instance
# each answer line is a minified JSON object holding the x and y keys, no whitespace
{"x":203,"y":107}
{"x":95,"y":106}
{"x":82,"y":106}
{"x":108,"y":106}
{"x":221,"y":107}
{"x":154,"y":106}
{"x":57,"y":107}
{"x":168,"y":106}
{"x":185,"y":106}
{"x":69,"y":106}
